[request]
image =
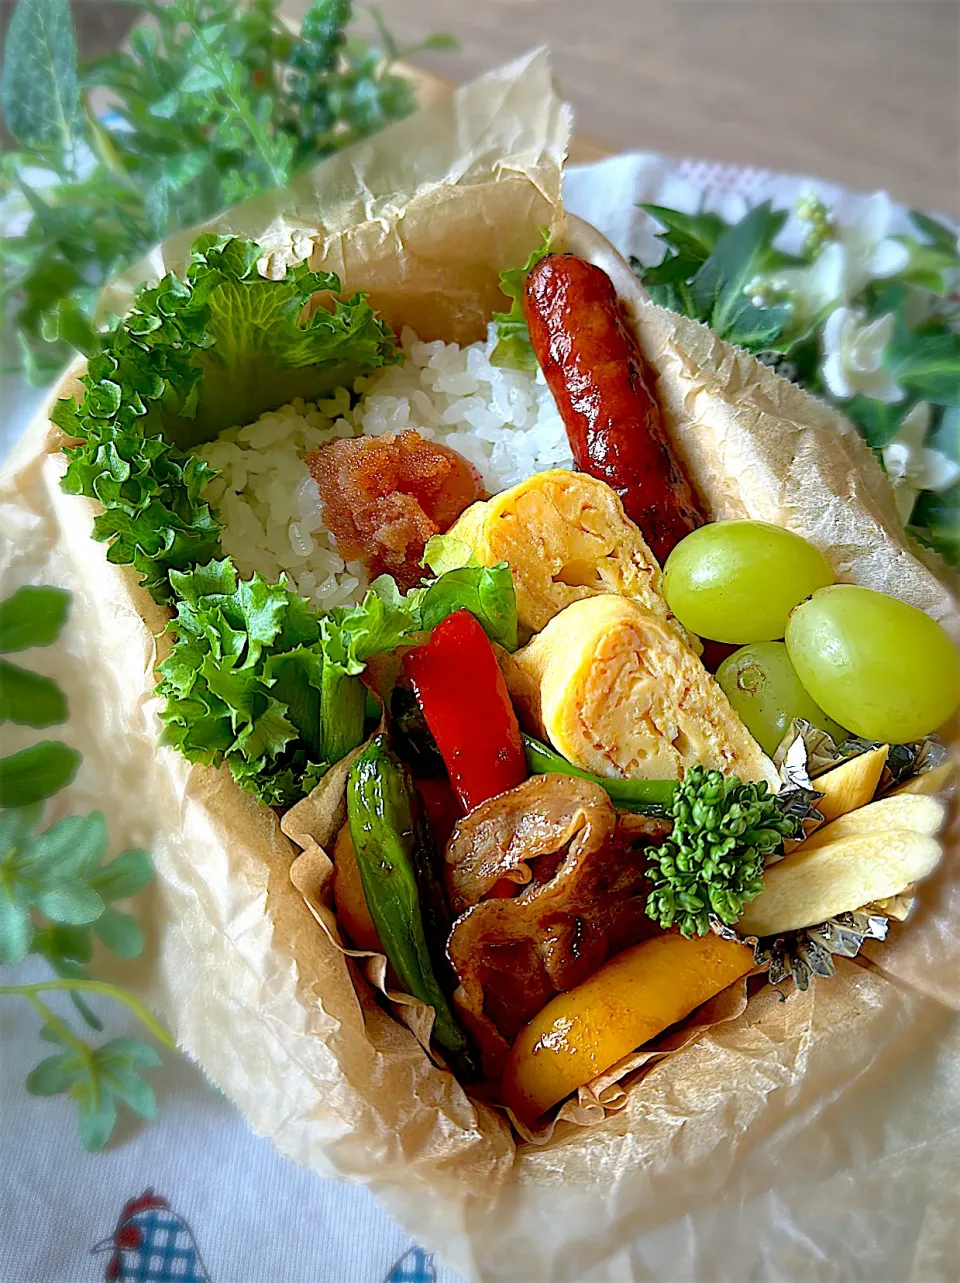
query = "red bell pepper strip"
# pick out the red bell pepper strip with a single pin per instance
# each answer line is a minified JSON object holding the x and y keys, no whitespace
{"x":460,"y":688}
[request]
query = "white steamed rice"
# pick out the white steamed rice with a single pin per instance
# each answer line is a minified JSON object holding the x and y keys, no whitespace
{"x":504,"y":421}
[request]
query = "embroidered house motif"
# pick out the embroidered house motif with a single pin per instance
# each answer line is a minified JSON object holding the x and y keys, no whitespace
{"x":415,"y":1266}
{"x":152,"y":1244}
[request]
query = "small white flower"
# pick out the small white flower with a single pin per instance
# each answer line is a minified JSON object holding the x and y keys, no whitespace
{"x":860,"y":252}
{"x":913,"y":466}
{"x":813,"y":289}
{"x":853,"y":356}
{"x":870,"y":253}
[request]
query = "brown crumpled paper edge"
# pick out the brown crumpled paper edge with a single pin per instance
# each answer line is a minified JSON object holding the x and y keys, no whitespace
{"x":239,"y":962}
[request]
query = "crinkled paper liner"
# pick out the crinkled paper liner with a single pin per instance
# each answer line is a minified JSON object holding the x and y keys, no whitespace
{"x":817,"y":1136}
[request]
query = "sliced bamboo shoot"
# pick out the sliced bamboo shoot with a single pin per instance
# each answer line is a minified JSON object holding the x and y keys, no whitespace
{"x":911,"y":812}
{"x":931,"y":782}
{"x":851,"y":784}
{"x":810,"y":886}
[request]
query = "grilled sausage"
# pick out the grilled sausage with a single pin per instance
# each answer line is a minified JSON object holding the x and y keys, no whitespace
{"x":594,"y":369}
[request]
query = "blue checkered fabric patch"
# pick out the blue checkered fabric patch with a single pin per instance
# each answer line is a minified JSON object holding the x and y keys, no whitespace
{"x":166,"y":1252}
{"x":415,"y":1266}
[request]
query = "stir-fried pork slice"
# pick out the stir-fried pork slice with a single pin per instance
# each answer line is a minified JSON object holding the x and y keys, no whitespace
{"x":581,"y":869}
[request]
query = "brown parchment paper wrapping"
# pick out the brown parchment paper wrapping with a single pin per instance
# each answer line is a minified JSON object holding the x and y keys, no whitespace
{"x":813,"y":1137}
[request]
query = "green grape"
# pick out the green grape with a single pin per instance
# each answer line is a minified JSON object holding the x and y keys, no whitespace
{"x":764,"y":689}
{"x":737,"y":581}
{"x":883,"y":668}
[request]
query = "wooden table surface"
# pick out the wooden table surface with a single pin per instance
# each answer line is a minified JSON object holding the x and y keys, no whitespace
{"x":864,"y":92}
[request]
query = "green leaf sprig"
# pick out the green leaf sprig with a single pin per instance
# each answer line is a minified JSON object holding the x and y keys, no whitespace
{"x":195,"y":355}
{"x":210,"y":103}
{"x":725,"y":275}
{"x":33,"y":617}
{"x":60,"y":873}
{"x":513,"y":349}
{"x":58,"y":892}
{"x":708,"y":265}
{"x":39,"y":89}
{"x":95,"y":1077}
{"x":712,"y":862}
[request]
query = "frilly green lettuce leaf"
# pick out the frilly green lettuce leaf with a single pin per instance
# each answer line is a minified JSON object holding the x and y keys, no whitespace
{"x":379,"y":624}
{"x":242,"y":682}
{"x":513,"y":348}
{"x":257,"y":680}
{"x":259,"y":350}
{"x":194,"y":356}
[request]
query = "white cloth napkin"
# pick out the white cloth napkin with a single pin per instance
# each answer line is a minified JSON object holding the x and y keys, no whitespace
{"x":254,"y":1216}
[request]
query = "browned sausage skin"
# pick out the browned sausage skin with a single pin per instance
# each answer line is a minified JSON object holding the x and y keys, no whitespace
{"x":594,"y":369}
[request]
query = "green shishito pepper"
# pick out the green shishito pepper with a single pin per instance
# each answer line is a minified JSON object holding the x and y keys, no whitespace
{"x":396,"y":856}
{"x":645,"y":797}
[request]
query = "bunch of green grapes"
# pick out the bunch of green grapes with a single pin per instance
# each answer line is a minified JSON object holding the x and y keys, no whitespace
{"x":844,"y":658}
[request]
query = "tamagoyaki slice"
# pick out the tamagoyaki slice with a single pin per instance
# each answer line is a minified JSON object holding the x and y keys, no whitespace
{"x":565,"y":537}
{"x":615,"y":690}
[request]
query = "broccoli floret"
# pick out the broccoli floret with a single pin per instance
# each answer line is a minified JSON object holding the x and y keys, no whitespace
{"x":712,"y":863}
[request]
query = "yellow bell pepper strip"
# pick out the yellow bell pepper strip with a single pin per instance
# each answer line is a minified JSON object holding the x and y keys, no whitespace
{"x":625,"y":1004}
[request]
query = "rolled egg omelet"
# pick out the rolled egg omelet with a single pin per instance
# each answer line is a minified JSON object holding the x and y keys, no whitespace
{"x":614,"y":688}
{"x":565,"y":537}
